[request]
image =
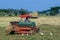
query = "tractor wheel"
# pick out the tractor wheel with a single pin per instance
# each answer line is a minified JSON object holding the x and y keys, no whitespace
{"x":8,"y":29}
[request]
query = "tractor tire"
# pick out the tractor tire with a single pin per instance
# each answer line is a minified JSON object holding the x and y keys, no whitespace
{"x":8,"y":29}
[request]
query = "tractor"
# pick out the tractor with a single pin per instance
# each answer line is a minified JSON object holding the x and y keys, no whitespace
{"x":23,"y":27}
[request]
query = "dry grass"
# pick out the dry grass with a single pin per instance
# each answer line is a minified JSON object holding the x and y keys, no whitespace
{"x":48,"y":20}
{"x":39,"y":21}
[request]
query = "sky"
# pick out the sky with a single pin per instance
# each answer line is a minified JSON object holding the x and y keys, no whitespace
{"x":31,"y":5}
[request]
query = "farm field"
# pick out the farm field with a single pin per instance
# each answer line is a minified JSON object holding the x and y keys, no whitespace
{"x":46,"y":25}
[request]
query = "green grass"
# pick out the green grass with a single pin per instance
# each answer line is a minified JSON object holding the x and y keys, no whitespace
{"x":46,"y":29}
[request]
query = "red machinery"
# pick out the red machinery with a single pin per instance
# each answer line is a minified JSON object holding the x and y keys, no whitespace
{"x":23,"y":27}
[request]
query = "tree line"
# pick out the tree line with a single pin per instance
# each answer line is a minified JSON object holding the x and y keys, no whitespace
{"x":16,"y":12}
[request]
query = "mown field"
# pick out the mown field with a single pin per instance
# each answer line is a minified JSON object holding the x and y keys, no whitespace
{"x":47,"y":25}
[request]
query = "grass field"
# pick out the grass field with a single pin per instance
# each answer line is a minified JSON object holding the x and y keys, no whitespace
{"x":46,"y":25}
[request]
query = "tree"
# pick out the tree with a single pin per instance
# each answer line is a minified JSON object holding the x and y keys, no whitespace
{"x":23,"y":11}
{"x":54,"y":10}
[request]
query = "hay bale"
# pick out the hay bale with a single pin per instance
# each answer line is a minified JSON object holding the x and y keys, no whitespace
{"x":8,"y":29}
{"x":34,"y":14}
